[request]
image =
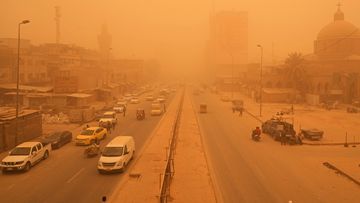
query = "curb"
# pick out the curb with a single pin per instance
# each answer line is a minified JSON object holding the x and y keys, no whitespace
{"x":218,"y":195}
{"x":112,"y":195}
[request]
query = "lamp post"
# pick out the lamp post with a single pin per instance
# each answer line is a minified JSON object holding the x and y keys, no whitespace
{"x":261,"y":64}
{"x":17,"y":80}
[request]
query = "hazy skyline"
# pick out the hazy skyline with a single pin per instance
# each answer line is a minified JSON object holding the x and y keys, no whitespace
{"x":174,"y":31}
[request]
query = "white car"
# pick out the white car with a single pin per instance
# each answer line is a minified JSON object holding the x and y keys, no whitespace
{"x":149,"y":98}
{"x":156,"y":109}
{"x":117,"y":154}
{"x":109,"y":116}
{"x":134,"y":100}
{"x":24,"y":156}
{"x":161,"y":99}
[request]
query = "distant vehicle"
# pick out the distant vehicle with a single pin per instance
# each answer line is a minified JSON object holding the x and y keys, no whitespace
{"x":161,"y":99}
{"x":156,"y":109}
{"x":25,"y":155}
{"x":312,"y":133}
{"x":237,"y":105}
{"x":119,"y":107}
{"x":117,"y":154}
{"x":203,"y":108}
{"x":57,"y":139}
{"x":275,"y":128}
{"x":135,"y":100}
{"x":127,"y":97}
{"x":109,"y":116}
{"x":149,"y":98}
{"x":225,"y":98}
{"x":91,"y":135}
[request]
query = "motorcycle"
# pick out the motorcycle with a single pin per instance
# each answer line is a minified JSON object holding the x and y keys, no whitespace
{"x":92,"y":151}
{"x":255,"y":136}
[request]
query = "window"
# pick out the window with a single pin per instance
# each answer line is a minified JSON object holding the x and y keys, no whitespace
{"x":33,"y":150}
{"x":38,"y":146}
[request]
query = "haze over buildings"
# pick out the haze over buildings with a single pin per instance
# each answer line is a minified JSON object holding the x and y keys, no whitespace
{"x":178,"y":29}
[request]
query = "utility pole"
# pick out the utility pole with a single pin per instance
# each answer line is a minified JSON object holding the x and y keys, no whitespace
{"x":261,"y":66}
{"x":17,"y":82}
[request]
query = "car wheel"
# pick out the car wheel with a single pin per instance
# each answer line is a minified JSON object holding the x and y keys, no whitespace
{"x":27,"y":166}
{"x":46,"y":155}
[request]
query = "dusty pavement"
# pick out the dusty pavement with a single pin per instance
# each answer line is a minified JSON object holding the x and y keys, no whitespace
{"x":192,"y":181}
{"x":265,"y":171}
{"x":335,"y":123}
{"x":141,"y":181}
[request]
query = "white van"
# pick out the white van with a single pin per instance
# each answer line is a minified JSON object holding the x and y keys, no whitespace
{"x":117,"y":154}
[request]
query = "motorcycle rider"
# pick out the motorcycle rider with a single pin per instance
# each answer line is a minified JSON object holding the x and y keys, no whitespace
{"x":256,"y":133}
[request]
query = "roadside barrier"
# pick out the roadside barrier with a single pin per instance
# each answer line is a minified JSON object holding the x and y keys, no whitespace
{"x":166,"y":176}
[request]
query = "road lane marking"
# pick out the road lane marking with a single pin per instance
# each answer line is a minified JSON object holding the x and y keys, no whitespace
{"x":75,"y":175}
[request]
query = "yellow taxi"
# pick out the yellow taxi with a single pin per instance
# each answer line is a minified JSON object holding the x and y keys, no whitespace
{"x":90,"y":135}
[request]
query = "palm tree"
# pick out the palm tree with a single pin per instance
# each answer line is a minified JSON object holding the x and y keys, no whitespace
{"x":295,"y":72}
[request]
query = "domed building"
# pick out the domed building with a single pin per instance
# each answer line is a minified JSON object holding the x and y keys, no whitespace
{"x":338,"y":40}
{"x":334,"y":68}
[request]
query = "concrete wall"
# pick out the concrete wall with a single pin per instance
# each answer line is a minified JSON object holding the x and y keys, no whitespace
{"x":30,"y":126}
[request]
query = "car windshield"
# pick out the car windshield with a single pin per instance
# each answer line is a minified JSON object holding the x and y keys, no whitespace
{"x":87,"y":132}
{"x":20,"y":151}
{"x":108,"y":116}
{"x":53,"y":135}
{"x":113,"y":151}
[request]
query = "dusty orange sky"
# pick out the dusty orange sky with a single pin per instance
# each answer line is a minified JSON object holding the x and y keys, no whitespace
{"x":174,"y":30}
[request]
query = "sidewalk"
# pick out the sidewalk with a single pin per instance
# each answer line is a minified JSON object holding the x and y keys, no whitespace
{"x":141,"y":182}
{"x":192,"y":181}
{"x":335,"y":123}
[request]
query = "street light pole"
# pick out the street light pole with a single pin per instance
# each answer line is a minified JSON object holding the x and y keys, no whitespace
{"x":232,"y":76}
{"x":17,"y":80}
{"x":261,"y":64}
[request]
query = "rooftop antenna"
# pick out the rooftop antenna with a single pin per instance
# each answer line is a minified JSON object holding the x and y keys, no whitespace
{"x":57,"y":20}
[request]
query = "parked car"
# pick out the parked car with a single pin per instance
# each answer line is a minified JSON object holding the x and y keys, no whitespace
{"x":117,"y":154}
{"x":24,"y":156}
{"x":312,"y":133}
{"x":91,"y":135}
{"x":57,"y":139}
{"x":276,"y":127}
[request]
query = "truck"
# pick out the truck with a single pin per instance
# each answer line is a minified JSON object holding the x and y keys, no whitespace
{"x":237,"y":105}
{"x":24,"y":156}
{"x":277,"y":127}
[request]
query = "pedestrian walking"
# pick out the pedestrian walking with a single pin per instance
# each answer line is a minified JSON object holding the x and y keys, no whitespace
{"x":241,"y":112}
{"x":108,"y":126}
{"x":282,"y":138}
{"x":124,"y":111}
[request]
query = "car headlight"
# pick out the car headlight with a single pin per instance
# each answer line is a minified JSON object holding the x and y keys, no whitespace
{"x":19,"y":162}
{"x":99,"y":164}
{"x":119,"y":163}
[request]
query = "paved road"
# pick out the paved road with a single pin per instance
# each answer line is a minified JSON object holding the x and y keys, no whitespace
{"x":247,"y":171}
{"x":69,"y":177}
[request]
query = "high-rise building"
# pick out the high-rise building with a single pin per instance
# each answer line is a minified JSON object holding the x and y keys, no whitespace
{"x":227,"y":49}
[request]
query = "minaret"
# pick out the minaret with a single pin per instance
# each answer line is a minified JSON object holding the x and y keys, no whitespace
{"x":57,"y":20}
{"x":104,"y":42}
